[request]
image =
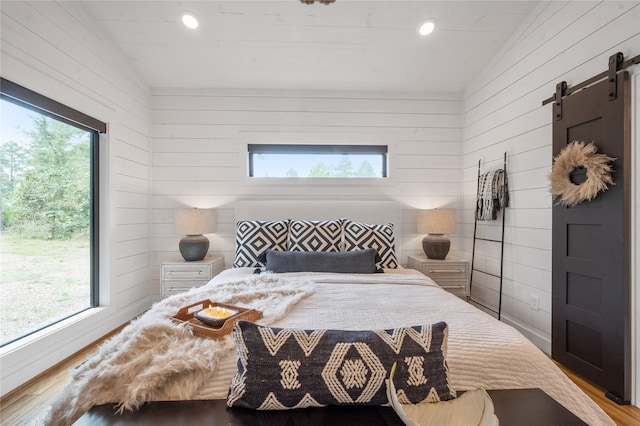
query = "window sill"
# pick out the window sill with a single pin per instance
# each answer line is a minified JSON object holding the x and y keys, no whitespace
{"x":52,"y":329}
{"x":315,"y":182}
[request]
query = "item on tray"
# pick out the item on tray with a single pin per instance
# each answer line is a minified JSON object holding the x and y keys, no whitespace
{"x":215,"y":316}
{"x":218,"y":323}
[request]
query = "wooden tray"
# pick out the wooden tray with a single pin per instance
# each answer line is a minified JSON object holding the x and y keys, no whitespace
{"x":200,"y":329}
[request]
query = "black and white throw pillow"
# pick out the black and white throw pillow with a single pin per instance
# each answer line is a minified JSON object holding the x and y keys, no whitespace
{"x":358,"y":236}
{"x":309,"y":235}
{"x":284,"y":368}
{"x":254,"y":237}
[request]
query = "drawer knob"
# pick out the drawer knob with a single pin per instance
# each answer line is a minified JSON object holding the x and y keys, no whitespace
{"x":445,"y":270}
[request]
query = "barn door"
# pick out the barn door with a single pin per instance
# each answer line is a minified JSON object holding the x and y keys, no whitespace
{"x":591,"y":245}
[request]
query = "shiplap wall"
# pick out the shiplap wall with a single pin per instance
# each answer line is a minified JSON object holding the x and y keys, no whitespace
{"x":52,"y":48}
{"x":199,"y":154}
{"x":503,"y":111}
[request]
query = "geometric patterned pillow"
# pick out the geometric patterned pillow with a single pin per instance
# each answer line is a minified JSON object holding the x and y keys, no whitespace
{"x":358,"y":236}
{"x":254,"y":237}
{"x":283,"y":368}
{"x":308,"y":235}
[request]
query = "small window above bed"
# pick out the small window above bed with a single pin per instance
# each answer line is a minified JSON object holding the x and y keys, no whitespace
{"x":317,"y":161}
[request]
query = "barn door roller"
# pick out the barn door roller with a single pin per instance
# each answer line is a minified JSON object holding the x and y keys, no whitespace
{"x":616,"y":63}
{"x":561,"y":90}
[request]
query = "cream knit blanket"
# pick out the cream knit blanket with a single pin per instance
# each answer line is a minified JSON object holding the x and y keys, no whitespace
{"x":153,"y":358}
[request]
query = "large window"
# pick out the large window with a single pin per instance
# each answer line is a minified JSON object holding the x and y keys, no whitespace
{"x":49,"y":194}
{"x":319,"y":161}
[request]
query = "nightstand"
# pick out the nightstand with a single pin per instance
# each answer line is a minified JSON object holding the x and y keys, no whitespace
{"x":451,"y":274}
{"x":178,"y":276}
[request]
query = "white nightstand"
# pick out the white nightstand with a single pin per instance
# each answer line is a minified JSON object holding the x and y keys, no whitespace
{"x":178,"y":276}
{"x":451,"y":274}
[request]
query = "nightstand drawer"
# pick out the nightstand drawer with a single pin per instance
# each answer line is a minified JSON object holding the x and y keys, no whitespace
{"x":186,"y":271}
{"x":449,"y":271}
{"x":173,"y":287}
{"x":176,"y":277}
{"x":451,"y":275}
{"x":460,"y":292}
{"x":453,"y":285}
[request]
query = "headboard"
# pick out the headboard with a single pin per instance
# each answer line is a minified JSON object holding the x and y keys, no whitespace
{"x":377,"y":212}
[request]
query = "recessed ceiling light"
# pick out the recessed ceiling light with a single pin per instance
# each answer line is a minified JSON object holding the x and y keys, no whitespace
{"x":426,"y":28}
{"x":189,"y":21}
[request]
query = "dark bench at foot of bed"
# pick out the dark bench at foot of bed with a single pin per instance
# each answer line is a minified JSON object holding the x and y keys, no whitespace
{"x":518,"y":407}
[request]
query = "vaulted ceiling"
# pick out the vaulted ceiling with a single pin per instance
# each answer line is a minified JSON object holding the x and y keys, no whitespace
{"x":347,"y":45}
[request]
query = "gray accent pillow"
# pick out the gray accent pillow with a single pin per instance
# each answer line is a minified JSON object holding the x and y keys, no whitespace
{"x":355,"y":262}
{"x":283,"y":368}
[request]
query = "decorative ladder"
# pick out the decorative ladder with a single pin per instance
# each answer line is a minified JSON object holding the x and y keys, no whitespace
{"x":491,"y":240}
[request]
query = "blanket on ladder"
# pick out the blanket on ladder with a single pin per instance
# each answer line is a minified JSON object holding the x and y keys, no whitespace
{"x":493,"y":194}
{"x":154,"y":358}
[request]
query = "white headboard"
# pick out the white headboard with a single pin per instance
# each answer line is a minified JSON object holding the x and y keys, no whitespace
{"x":361,"y":211}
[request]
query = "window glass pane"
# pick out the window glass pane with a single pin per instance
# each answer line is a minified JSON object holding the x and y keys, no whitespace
{"x":45,"y":238}
{"x":313,"y":163}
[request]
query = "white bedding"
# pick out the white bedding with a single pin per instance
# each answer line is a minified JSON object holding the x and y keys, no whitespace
{"x":482,"y":352}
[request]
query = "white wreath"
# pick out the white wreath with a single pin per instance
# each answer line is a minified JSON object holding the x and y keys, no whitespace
{"x":580,"y":154}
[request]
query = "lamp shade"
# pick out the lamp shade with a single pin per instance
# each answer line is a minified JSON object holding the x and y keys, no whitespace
{"x":195,"y":221}
{"x":436,"y":221}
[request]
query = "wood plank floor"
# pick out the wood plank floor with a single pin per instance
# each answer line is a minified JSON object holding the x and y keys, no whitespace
{"x":625,"y":415}
{"x":28,"y":404}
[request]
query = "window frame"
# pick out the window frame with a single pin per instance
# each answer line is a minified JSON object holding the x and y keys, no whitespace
{"x":346,"y":149}
{"x":27,"y":98}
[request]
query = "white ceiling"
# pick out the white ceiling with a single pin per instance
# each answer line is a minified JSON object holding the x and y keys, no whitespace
{"x":347,"y":45}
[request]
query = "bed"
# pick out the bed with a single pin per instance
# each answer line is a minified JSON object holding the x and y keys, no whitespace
{"x":152,"y":359}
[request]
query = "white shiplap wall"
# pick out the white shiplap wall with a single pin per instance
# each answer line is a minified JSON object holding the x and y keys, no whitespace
{"x":199,"y":142}
{"x":53,"y":48}
{"x":503,"y":111}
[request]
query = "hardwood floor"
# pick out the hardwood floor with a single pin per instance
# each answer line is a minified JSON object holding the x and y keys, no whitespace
{"x":621,"y":414}
{"x":28,"y":404}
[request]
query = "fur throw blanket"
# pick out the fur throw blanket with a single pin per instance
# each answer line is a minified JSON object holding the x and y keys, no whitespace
{"x":154,"y":358}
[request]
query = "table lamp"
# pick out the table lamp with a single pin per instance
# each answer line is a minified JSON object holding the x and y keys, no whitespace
{"x":435,"y":223}
{"x":192,"y":223}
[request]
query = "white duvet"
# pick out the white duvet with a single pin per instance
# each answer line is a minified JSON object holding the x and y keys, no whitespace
{"x":482,"y":352}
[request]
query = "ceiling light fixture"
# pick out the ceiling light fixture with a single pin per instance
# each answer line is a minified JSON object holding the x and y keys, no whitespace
{"x":189,"y":21}
{"x":426,"y":28}
{"x":319,"y":1}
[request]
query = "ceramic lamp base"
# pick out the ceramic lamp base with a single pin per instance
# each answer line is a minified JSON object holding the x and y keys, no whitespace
{"x":194,"y":247}
{"x":436,"y":246}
